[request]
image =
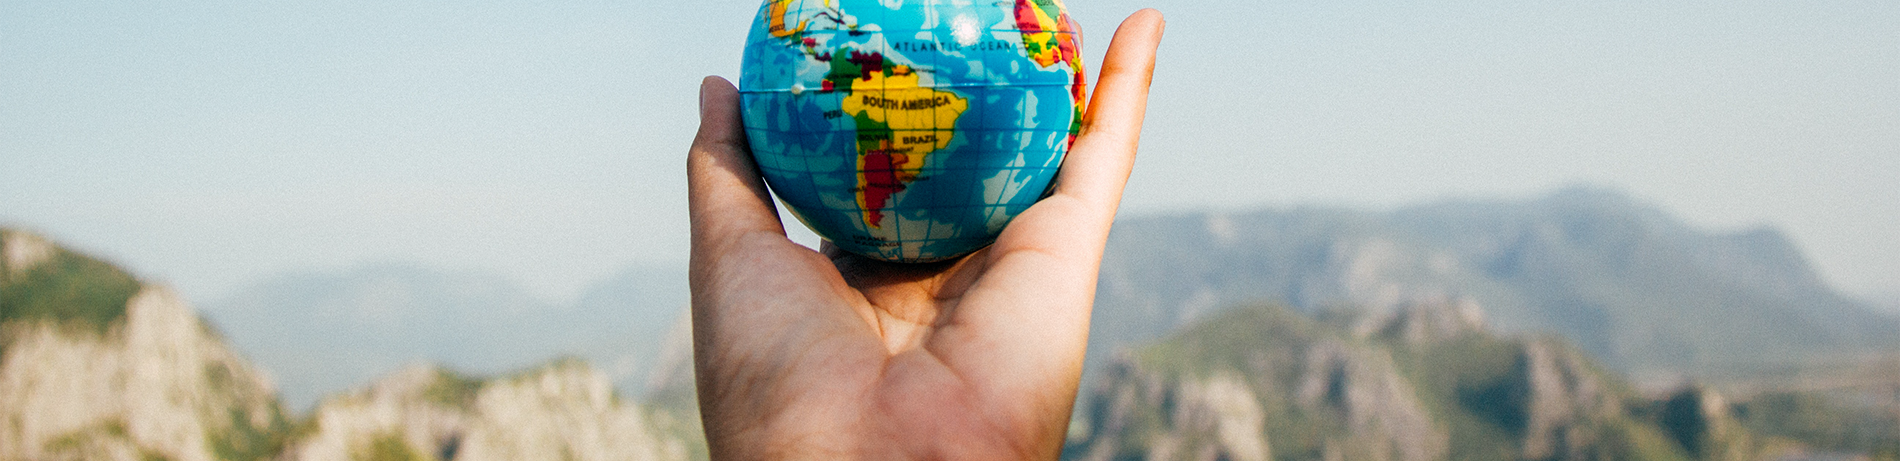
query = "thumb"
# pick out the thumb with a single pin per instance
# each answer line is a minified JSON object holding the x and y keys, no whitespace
{"x":726,"y":197}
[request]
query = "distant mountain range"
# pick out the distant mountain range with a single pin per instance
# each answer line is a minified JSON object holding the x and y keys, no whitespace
{"x":1455,"y":330}
{"x":1630,"y":284}
{"x":322,"y":333}
{"x":1646,"y":293}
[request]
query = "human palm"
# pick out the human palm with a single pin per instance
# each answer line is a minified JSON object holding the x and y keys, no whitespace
{"x":821,"y":354}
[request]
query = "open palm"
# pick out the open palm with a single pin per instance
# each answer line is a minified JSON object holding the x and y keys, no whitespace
{"x":824,"y":355}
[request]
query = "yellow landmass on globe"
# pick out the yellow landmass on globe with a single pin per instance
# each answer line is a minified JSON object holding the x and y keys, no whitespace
{"x":899,"y":124}
{"x":775,"y":19}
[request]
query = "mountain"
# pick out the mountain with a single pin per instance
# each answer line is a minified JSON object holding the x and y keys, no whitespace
{"x":563,"y":410}
{"x":1627,"y":282}
{"x":95,"y":364}
{"x":327,"y":331}
{"x":1420,"y":381}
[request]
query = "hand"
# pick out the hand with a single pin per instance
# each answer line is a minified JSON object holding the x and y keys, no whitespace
{"x":803,"y":354}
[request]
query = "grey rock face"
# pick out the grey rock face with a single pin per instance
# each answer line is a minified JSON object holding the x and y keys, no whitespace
{"x":1421,"y":382}
{"x":158,"y":384}
{"x":1380,"y":409}
{"x":20,"y":251}
{"x":1325,"y":396}
{"x":1701,"y":420}
{"x":96,"y":366}
{"x":1422,"y":321}
{"x":1216,"y":418}
{"x":1563,"y":404}
{"x":566,"y":410}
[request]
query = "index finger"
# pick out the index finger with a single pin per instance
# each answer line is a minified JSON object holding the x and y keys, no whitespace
{"x":1104,"y":154}
{"x":1074,"y":221}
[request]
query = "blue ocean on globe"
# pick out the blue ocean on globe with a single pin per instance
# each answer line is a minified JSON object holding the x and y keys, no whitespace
{"x":911,"y":131}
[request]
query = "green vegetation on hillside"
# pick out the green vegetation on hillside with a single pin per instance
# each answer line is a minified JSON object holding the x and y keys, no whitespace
{"x":69,"y":288}
{"x":452,"y":389}
{"x":1823,"y":421}
{"x":237,"y":437}
{"x":1470,"y":381}
{"x":93,"y":442}
{"x":244,"y":442}
{"x":1485,"y":397}
{"x":1225,"y":343}
{"x":387,"y":447}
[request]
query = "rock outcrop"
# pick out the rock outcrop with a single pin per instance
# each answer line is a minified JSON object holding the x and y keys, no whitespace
{"x":1273,"y":386}
{"x":96,"y":365}
{"x":565,"y":410}
{"x":1701,"y":420}
{"x":21,"y":251}
{"x":145,"y":380}
{"x":1423,"y":381}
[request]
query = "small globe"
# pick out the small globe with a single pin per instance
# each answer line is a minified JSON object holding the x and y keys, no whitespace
{"x":906,"y":130}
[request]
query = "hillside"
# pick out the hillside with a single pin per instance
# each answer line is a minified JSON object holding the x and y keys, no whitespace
{"x":1421,"y":382}
{"x":563,"y":410}
{"x":96,"y":365}
{"x":43,"y":283}
{"x":1628,"y":283}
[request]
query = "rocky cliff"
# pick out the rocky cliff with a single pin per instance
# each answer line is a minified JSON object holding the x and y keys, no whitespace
{"x":565,"y":410}
{"x":1422,"y":381}
{"x":97,"y":366}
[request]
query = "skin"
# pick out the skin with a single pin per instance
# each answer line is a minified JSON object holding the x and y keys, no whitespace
{"x":804,"y":354}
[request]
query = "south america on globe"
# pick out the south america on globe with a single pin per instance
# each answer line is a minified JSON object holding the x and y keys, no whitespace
{"x":906,"y":130}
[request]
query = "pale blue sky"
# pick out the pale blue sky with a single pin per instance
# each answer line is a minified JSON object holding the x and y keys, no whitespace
{"x":214,"y":143}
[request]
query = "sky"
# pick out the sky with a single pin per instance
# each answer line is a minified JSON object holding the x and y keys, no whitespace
{"x":214,"y":144}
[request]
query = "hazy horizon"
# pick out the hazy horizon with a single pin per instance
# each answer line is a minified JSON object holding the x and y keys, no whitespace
{"x":218,"y":144}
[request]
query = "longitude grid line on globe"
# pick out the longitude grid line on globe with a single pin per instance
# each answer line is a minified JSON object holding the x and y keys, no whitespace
{"x":930,"y":225}
{"x":883,"y":46}
{"x":813,"y":180}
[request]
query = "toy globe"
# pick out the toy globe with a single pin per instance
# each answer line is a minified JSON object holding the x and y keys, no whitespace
{"x":911,"y":131}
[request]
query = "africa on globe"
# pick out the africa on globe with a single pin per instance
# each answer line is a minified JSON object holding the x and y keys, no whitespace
{"x":911,"y":131}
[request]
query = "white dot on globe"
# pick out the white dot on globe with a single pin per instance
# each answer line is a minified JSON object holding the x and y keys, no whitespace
{"x":798,"y":89}
{"x":964,"y":28}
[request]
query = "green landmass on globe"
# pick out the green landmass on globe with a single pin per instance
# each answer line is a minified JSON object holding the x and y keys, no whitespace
{"x":911,"y":131}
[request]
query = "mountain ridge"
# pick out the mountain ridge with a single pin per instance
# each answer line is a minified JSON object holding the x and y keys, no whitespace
{"x":1429,"y":382}
{"x":88,"y":371}
{"x":1647,"y":293}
